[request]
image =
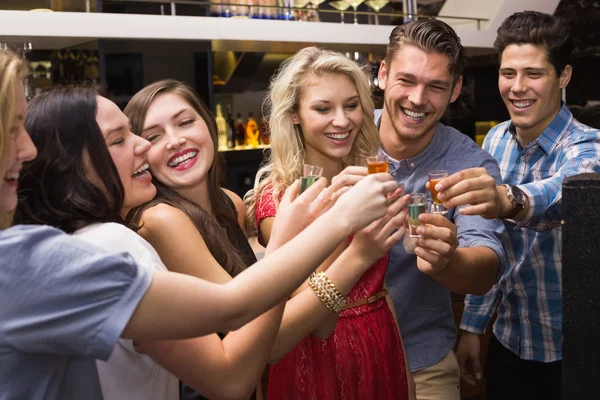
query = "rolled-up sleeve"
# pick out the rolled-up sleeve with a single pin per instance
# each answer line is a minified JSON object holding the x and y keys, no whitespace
{"x":476,"y":231}
{"x":479,"y":310}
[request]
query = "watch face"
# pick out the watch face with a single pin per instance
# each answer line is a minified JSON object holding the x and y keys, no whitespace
{"x":519,"y":195}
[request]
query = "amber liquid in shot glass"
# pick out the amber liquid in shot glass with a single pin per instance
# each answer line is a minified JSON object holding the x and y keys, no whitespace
{"x":434,"y":178}
{"x":377,"y":164}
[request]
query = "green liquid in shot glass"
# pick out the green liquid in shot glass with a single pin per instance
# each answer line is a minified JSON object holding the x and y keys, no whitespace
{"x":306,"y":181}
{"x":414,"y":210}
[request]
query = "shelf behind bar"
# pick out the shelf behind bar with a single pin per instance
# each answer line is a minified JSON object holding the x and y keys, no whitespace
{"x":277,"y":7}
{"x":46,"y":30}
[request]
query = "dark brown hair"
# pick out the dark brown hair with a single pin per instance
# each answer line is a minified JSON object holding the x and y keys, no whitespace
{"x":216,"y":230}
{"x":537,"y":29}
{"x":429,"y":35}
{"x":54,"y":188}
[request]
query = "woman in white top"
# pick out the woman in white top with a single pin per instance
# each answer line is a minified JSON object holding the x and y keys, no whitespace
{"x":91,"y":169}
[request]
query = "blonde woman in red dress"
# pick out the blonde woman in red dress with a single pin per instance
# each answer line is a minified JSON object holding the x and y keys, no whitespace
{"x":321,"y":113}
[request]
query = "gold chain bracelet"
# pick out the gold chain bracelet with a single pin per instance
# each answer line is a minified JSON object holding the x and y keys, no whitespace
{"x":325,"y":289}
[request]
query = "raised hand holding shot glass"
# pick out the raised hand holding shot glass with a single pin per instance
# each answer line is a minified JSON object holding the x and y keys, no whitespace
{"x":434,"y":178}
{"x":310,"y":175}
{"x":416,"y":206}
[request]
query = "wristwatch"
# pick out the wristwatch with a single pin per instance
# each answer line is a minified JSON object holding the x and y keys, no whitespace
{"x":517,"y":198}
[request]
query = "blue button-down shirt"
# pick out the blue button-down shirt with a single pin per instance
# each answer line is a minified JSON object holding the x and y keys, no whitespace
{"x":530,"y":313}
{"x":423,"y":305}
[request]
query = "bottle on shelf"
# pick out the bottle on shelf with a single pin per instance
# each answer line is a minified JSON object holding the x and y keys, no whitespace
{"x":221,"y":128}
{"x":260,"y":10}
{"x":215,"y":8}
{"x":252,"y":131}
{"x":286,"y":11}
{"x":242,"y":9}
{"x":230,"y":128}
{"x":271,"y":11}
{"x":253,"y":8}
{"x":240,"y":131}
{"x":263,"y":132}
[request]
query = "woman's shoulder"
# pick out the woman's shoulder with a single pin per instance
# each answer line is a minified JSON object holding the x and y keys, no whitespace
{"x":39,"y":242}
{"x":265,"y":206}
{"x":161,"y":214}
{"x":115,"y":237}
{"x":236,"y":200}
{"x":163,"y":222}
{"x":105,"y":232}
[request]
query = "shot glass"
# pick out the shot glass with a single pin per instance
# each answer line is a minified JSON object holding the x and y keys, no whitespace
{"x":434,"y":178}
{"x":311,"y":174}
{"x":377,"y":164}
{"x":416,"y":206}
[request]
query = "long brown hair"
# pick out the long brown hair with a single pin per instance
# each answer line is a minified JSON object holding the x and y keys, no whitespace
{"x":217,"y":228}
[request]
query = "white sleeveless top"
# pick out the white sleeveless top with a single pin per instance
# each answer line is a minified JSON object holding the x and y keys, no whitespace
{"x":129,"y":375}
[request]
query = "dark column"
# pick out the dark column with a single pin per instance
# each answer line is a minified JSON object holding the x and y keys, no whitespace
{"x":581,"y":287}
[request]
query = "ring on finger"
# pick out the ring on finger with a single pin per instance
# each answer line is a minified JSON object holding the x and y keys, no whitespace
{"x":321,"y":198}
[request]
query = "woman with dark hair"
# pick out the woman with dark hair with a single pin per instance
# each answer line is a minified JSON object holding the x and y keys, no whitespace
{"x":77,"y":199}
{"x":69,"y":149}
{"x":192,"y":217}
{"x":187,"y":178}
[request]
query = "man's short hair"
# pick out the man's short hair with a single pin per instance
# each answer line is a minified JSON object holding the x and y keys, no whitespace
{"x":429,"y":35}
{"x":537,"y":29}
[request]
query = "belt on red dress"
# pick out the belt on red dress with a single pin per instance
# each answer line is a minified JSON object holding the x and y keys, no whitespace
{"x":368,"y":300}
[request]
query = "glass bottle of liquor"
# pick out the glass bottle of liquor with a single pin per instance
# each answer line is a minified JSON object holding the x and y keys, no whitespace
{"x":252,"y":131}
{"x":230,"y":128}
{"x":264,"y":134}
{"x":240,"y":131}
{"x":221,"y":128}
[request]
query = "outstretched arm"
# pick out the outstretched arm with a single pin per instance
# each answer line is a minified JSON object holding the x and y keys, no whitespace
{"x":174,"y":307}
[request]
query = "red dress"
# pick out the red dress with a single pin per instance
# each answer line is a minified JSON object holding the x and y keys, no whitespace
{"x":362,"y":359}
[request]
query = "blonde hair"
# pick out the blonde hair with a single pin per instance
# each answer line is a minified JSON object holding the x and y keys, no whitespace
{"x":13,"y":71}
{"x":284,"y":165}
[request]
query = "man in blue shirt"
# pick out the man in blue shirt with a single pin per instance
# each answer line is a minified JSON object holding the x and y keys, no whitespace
{"x":540,"y":146}
{"x":420,"y":76}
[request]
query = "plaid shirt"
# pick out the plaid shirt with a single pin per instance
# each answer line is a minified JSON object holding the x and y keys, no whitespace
{"x":529,"y":319}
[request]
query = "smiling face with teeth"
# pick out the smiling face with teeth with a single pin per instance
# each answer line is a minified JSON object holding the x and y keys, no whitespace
{"x":329,"y":115}
{"x":417,"y":90}
{"x":530,"y":88}
{"x":20,"y":149}
{"x":128,"y":152}
{"x":182,"y":150}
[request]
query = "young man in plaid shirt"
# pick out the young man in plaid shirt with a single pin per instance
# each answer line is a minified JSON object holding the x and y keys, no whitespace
{"x":536,"y":149}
